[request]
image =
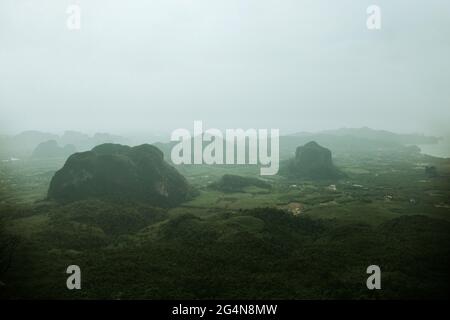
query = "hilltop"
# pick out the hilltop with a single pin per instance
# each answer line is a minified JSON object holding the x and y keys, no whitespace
{"x":312,"y":161}
{"x":119,"y":172}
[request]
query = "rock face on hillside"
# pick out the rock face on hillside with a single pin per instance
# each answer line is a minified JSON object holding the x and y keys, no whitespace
{"x":118,"y":172}
{"x":51,"y":149}
{"x":312,"y":161}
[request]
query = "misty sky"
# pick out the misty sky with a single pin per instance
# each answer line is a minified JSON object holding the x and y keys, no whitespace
{"x":157,"y":65}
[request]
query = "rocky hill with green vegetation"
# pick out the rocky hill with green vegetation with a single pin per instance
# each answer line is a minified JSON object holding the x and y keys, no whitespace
{"x":118,"y":172}
{"x":312,"y":161}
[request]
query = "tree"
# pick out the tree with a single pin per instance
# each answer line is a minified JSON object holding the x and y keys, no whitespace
{"x":8,"y":245}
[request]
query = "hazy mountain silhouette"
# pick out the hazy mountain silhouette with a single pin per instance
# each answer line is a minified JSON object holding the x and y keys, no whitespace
{"x":312,"y":161}
{"x":22,"y":145}
{"x":51,"y":149}
{"x":379,"y":135}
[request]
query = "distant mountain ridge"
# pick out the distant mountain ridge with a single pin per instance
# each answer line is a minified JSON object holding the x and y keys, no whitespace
{"x":24,"y":144}
{"x":339,"y":141}
{"x":343,"y":142}
{"x":377,"y":135}
{"x":51,"y":149}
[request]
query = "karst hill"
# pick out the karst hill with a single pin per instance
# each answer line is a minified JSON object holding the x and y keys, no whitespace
{"x":312,"y":161}
{"x":117,"y":172}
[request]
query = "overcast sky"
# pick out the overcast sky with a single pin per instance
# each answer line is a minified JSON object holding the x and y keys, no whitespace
{"x":157,"y":65}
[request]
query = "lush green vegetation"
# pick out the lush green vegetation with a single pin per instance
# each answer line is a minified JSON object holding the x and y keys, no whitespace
{"x":235,"y":183}
{"x":241,"y":242}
